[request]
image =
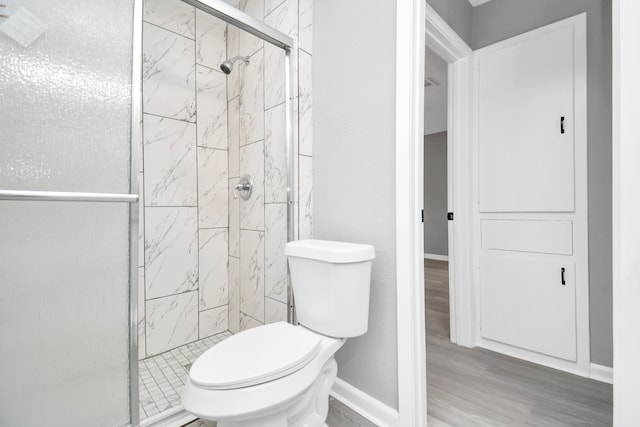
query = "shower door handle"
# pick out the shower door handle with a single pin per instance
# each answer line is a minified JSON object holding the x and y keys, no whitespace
{"x":66,"y":196}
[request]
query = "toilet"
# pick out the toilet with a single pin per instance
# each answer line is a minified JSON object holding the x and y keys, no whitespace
{"x":280,"y":375}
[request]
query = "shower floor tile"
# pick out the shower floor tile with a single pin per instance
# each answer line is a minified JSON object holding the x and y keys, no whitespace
{"x":162,"y":377}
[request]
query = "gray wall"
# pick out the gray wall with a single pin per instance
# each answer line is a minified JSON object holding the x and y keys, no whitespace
{"x":435,"y":194}
{"x":354,"y":148}
{"x":354,"y":168}
{"x":458,"y":14}
{"x":501,"y":19}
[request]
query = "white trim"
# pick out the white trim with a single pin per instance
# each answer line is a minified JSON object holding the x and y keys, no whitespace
{"x":461,"y":291}
{"x":415,"y":22}
{"x":436,"y":257}
{"x":365,"y":405}
{"x":579,"y":218}
{"x":601,"y":373}
{"x":451,"y":48}
{"x":441,"y":38}
{"x":410,"y":49}
{"x":626,"y":211}
{"x":451,"y":204}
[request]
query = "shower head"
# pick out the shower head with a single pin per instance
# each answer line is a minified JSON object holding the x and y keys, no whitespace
{"x":227,"y":66}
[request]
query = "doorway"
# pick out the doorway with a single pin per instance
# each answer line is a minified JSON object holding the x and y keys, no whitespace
{"x":435,"y":201}
{"x":436,"y":241}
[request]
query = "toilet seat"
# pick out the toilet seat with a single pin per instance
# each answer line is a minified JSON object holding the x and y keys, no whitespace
{"x":255,"y":356}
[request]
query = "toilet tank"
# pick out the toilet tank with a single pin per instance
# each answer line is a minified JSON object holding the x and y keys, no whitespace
{"x":331,"y":282}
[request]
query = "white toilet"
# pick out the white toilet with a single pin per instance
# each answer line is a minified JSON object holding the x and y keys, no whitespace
{"x":279,"y":375}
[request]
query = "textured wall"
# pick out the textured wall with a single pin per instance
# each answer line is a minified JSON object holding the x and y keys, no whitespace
{"x":354,"y":168}
{"x":501,"y":19}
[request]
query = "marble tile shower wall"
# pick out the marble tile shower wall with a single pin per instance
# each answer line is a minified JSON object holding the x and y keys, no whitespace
{"x":210,"y":262}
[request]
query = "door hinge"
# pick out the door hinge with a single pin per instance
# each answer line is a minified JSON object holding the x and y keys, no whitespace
{"x":422,"y":215}
{"x":450,"y":216}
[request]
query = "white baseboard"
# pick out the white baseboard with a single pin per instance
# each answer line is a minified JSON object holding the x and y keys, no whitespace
{"x":582,"y":369}
{"x":365,"y":405}
{"x":437,"y":257}
{"x":601,"y":373}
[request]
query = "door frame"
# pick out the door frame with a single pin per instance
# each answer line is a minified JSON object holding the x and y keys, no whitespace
{"x":446,"y":43}
{"x":134,"y":211}
{"x":626,"y":208}
{"x":626,"y":246}
{"x":417,"y":24}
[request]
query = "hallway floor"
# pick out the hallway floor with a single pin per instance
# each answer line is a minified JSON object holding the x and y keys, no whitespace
{"x":478,"y":387}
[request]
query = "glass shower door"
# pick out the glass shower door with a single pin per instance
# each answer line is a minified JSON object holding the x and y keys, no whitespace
{"x":66,"y":108}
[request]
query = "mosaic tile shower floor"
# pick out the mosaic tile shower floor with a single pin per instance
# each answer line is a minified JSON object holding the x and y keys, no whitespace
{"x":162,"y":377}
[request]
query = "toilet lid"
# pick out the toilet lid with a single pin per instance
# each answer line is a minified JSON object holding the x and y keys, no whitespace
{"x":255,"y":356}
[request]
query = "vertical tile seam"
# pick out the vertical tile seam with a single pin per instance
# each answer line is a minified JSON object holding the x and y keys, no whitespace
{"x":195,"y":78}
{"x":264,"y":177}
{"x":142,"y":207}
{"x":229,"y":184}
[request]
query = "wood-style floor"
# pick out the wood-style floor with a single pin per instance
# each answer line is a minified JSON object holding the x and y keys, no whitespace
{"x":477,"y":387}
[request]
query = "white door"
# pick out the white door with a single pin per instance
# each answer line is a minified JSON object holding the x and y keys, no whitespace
{"x":532,"y":196}
{"x":529,"y":302}
{"x":525,"y":112}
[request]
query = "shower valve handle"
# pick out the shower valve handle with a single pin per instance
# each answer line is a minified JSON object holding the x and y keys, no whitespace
{"x":240,"y":187}
{"x":243,"y":188}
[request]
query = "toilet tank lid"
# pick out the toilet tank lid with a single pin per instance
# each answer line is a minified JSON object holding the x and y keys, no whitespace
{"x":330,"y":251}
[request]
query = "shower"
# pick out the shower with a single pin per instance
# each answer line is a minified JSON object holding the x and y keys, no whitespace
{"x":227,"y":66}
{"x":206,"y":287}
{"x":159,"y":261}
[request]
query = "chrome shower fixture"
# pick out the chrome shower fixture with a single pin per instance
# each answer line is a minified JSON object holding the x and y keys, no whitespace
{"x":227,"y":66}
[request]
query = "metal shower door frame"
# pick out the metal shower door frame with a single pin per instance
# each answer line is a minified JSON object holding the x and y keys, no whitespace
{"x":233,"y":16}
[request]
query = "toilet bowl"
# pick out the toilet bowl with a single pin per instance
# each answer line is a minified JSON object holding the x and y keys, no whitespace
{"x":280,"y":375}
{"x":276,"y":395}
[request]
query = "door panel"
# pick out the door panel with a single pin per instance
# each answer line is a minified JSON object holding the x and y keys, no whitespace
{"x":525,"y":304}
{"x":64,"y":292}
{"x":545,"y":237}
{"x":64,"y":266}
{"x":526,"y":162}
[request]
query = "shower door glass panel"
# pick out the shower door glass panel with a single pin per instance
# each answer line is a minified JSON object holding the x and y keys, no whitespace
{"x":65,"y":79}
